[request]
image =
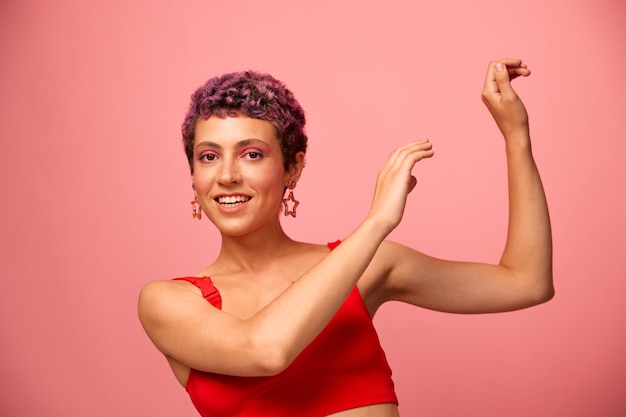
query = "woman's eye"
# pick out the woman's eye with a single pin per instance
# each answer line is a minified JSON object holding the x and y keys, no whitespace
{"x":253,"y":155}
{"x":208,"y":157}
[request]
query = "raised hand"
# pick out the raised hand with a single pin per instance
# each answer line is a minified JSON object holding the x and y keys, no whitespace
{"x":395,"y":182}
{"x":502,"y":101}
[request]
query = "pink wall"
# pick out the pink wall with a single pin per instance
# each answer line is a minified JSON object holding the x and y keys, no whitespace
{"x":96,"y":192}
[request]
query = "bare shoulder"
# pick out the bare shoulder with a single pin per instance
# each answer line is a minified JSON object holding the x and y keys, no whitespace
{"x":164,"y":300}
{"x":158,"y":292}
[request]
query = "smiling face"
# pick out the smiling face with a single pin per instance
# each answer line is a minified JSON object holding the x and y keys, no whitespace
{"x":238,"y":173}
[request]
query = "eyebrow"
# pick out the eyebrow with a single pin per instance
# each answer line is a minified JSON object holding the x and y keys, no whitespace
{"x":240,"y":144}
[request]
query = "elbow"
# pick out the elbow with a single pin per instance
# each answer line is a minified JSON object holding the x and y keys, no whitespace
{"x":270,"y":358}
{"x":264,"y":350}
{"x":272,"y":363}
{"x":544,"y":295}
{"x":546,"y":292}
{"x":541,"y":293}
{"x":549,"y":293}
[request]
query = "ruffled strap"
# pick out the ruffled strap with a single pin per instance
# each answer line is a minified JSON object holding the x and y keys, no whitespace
{"x":333,"y":245}
{"x":209,"y":292}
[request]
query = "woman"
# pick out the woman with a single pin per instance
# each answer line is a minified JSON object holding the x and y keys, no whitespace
{"x":275,"y":327}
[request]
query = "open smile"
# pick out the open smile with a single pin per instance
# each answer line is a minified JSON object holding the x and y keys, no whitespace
{"x":232,"y":200}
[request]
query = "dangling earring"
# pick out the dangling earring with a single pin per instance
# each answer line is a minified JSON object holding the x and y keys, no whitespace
{"x":196,"y":211}
{"x":289,"y":198}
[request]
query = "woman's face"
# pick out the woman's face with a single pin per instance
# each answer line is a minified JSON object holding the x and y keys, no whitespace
{"x":238,"y":173}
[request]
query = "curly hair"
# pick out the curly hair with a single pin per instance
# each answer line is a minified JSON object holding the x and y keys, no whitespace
{"x":250,"y":94}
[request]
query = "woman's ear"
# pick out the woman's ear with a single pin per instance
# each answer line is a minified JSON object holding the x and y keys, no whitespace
{"x":295,"y":168}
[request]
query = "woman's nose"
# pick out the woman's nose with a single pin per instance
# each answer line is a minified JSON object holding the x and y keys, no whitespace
{"x":229,"y":174}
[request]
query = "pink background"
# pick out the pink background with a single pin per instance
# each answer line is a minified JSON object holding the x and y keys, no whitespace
{"x":96,"y":191}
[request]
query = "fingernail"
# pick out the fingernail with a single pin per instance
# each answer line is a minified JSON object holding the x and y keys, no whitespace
{"x":499,"y":66}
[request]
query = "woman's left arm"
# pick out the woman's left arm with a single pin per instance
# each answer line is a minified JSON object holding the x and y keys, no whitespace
{"x":523,"y":277}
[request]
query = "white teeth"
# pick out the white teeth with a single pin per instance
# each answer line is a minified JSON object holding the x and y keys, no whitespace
{"x":233,"y":199}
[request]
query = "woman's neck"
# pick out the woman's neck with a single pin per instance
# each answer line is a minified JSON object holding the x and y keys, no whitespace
{"x":254,"y":251}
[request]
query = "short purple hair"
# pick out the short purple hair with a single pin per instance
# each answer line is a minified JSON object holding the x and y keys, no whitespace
{"x":250,"y":94}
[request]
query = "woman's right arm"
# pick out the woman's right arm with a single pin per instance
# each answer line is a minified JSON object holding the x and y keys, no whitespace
{"x":190,"y":330}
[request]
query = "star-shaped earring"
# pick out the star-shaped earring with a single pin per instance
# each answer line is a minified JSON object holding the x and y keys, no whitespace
{"x":289,"y":198}
{"x":196,"y":210}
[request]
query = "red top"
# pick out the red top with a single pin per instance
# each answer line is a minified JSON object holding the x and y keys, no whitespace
{"x":343,"y":368}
